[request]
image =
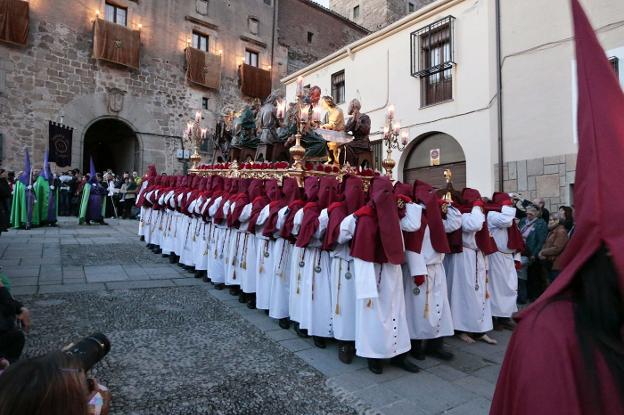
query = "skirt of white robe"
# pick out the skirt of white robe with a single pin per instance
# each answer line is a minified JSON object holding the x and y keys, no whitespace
{"x":381,"y":330}
{"x":469,"y":306}
{"x":316,"y":311}
{"x":143,"y":215}
{"x":188,"y":240}
{"x":157,"y":227}
{"x":183,"y":228}
{"x":248,"y":277}
{"x":280,"y":286}
{"x":296,"y":277}
{"x":202,"y":246}
{"x":343,"y":298}
{"x":503,"y":284}
{"x":233,"y":270}
{"x":433,"y":295}
{"x":147,"y":220}
{"x":167,"y":235}
{"x":264,"y":272}
{"x":216,"y":270}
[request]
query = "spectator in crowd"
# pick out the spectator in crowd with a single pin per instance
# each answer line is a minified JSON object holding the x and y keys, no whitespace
{"x":14,"y":321}
{"x":568,"y":215}
{"x":137,"y":179}
{"x":11,"y":178}
{"x":534,"y":232}
{"x":554,"y":245}
{"x":542,"y":212}
{"x":65,"y":193}
{"x":128,"y":195}
{"x":53,"y":384}
{"x":5,"y":201}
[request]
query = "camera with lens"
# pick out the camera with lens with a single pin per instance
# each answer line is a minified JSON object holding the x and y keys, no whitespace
{"x":89,"y":350}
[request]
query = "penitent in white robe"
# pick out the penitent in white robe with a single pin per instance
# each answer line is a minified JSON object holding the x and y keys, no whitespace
{"x":343,"y":284}
{"x":233,"y":270}
{"x":315,"y":300}
{"x":280,"y":285}
{"x":467,"y":273}
{"x":428,"y":308}
{"x":264,"y":262}
{"x":201,"y":249}
{"x":143,"y":209}
{"x":216,"y":269}
{"x":503,"y":277}
{"x":381,"y":329}
{"x":169,"y":225}
{"x":297,"y":258}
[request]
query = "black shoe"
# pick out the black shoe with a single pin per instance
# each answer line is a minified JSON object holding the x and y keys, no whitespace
{"x":205,"y":277}
{"x":440,"y":353}
{"x":266,"y":312}
{"x":417,"y":351}
{"x":234,"y":290}
{"x":375,"y":366}
{"x":242,"y":298}
{"x":142,"y":238}
{"x":102,"y":222}
{"x":402,"y":362}
{"x":199,"y":274}
{"x":166,"y":256}
{"x":173,"y":258}
{"x":251,"y":304}
{"x":219,"y":286}
{"x":319,"y":342}
{"x":149,"y":246}
{"x":191,"y":269}
{"x":346,"y":352}
{"x":284,"y":323}
{"x":158,"y":251}
{"x":301,"y":332}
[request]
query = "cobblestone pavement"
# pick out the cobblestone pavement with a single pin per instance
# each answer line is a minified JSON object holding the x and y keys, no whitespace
{"x":181,"y":347}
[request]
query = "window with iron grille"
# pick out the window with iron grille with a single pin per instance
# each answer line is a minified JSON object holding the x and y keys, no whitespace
{"x":615,"y":63}
{"x":116,"y":14}
{"x":338,"y":87}
{"x":200,"y":41}
{"x":251,"y":58}
{"x":432,"y":61}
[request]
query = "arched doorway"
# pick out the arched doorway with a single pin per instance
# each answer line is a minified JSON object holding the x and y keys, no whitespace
{"x":113,"y":145}
{"x":418,"y":162}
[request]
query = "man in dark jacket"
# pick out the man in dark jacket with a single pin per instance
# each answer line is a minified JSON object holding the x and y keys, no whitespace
{"x":14,"y":321}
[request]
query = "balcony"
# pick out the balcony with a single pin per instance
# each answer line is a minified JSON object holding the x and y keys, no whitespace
{"x":14,"y":22}
{"x":203,"y":68}
{"x":116,"y":43}
{"x":254,"y":82}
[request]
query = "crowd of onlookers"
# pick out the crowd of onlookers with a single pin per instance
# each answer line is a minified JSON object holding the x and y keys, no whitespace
{"x":545,"y":236}
{"x":122,"y":190}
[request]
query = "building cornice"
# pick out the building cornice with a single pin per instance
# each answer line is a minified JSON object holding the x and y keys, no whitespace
{"x":336,"y":15}
{"x":409,"y":20}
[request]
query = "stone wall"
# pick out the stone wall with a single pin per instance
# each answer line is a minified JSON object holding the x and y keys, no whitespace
{"x":549,"y":177}
{"x":376,"y":14}
{"x":330,"y":32}
{"x":55,"y":75}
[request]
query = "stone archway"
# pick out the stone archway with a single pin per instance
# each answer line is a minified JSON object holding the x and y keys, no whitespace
{"x":417,"y":164}
{"x":113,"y":144}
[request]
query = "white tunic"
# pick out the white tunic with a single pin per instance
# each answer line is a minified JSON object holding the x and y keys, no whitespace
{"x":264,"y":262}
{"x":216,"y":268}
{"x":234,"y":249}
{"x":200,"y":254}
{"x":316,"y":312}
{"x":381,"y":323}
{"x":280,"y":285}
{"x":296,"y":272}
{"x":239,"y":254}
{"x":467,"y":273}
{"x":343,"y":283}
{"x":429,"y":311}
{"x":503,"y":277}
{"x":143,"y":208}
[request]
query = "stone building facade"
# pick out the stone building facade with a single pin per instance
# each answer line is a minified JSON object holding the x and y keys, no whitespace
{"x":138,"y":116}
{"x":376,"y":14}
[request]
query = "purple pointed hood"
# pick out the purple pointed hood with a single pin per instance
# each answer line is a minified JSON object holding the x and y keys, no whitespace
{"x":25,"y":176}
{"x":92,"y":175}
{"x":46,"y":173}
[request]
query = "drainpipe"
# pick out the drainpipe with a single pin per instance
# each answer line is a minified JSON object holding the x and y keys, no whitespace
{"x":499,"y":93}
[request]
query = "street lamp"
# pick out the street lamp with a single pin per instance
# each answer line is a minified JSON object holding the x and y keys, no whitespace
{"x":392,"y":131}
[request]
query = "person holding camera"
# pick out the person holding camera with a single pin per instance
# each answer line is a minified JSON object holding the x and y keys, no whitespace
{"x":14,"y":322}
{"x":54,"y":384}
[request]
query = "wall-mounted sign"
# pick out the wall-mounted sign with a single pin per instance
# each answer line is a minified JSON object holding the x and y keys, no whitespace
{"x":183,"y":154}
{"x":434,"y":157}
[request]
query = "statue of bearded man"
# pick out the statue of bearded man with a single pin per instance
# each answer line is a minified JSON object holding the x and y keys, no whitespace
{"x":267,"y":122}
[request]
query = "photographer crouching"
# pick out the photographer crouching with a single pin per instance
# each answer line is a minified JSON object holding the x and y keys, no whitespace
{"x":57,"y":383}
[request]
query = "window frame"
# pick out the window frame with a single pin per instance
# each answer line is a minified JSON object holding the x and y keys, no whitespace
{"x":250,"y":20}
{"x":115,"y":10}
{"x":249,"y":54}
{"x":200,"y":35}
{"x":310,"y":37}
{"x":356,"y":11}
{"x":614,"y":61}
{"x":432,"y":61}
{"x":204,"y":103}
{"x":338,"y":87}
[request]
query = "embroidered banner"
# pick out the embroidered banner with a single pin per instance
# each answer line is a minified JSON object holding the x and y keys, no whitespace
{"x":60,"y":144}
{"x":116,"y":43}
{"x":203,"y":68}
{"x":14,"y":22}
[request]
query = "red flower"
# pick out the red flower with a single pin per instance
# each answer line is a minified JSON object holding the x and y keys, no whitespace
{"x":328,"y":169}
{"x":308,"y":166}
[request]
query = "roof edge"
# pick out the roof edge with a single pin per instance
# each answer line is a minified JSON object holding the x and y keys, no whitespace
{"x":335,"y":14}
